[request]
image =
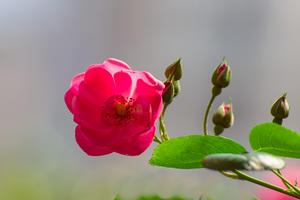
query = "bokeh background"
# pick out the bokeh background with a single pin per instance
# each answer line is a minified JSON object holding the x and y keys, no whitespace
{"x":44,"y":43}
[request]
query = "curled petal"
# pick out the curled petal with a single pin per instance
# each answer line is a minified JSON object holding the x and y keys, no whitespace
{"x":148,"y":79}
{"x":73,"y":91}
{"x":70,"y":98}
{"x":77,"y":79}
{"x":89,"y":146}
{"x":136,"y":145}
{"x":153,"y":96}
{"x":159,"y":85}
{"x":115,"y":65}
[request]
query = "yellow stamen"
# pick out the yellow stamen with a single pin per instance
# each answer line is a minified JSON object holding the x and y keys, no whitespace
{"x":121,"y":109}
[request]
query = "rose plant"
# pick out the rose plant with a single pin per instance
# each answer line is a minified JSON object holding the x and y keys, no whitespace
{"x":116,"y":108}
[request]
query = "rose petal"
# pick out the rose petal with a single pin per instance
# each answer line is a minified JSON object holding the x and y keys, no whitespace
{"x":104,"y":137}
{"x":115,"y":65}
{"x":137,"y":145}
{"x":88,"y":146}
{"x":69,"y":97}
{"x":159,"y":85}
{"x":98,"y":84}
{"x":88,"y":114}
{"x":73,"y":91}
{"x":142,"y":114}
{"x":156,"y":106}
{"x":123,"y":84}
{"x":153,"y":96}
{"x":77,"y":79}
{"x":148,"y":79}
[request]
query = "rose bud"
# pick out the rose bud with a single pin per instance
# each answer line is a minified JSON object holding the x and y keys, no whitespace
{"x":115,"y":108}
{"x":223,"y":117}
{"x":174,"y":71}
{"x":228,"y":119}
{"x":177,"y":88}
{"x":280,"y":109}
{"x":218,"y":129}
{"x":168,"y":92}
{"x":222,"y":75}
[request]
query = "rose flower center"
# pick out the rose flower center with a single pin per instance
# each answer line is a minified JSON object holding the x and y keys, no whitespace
{"x":117,"y":110}
{"x":121,"y":109}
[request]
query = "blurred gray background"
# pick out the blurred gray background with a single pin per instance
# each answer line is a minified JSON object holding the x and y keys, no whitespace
{"x":44,"y":43}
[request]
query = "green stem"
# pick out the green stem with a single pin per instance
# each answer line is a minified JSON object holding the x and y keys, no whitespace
{"x":157,"y":139}
{"x":206,"y":113}
{"x":285,"y":181}
{"x":251,"y":179}
{"x":162,"y":126}
{"x":229,"y":174}
{"x":277,"y":121}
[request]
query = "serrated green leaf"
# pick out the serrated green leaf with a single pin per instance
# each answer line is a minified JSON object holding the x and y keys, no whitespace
{"x":275,"y":139}
{"x":187,"y":152}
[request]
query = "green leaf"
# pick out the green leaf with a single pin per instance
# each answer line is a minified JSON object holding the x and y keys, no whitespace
{"x":251,"y":161}
{"x":117,"y":198}
{"x":275,"y":139}
{"x":187,"y":152}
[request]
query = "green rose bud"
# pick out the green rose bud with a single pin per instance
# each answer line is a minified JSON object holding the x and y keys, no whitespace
{"x":174,"y":71}
{"x":218,"y":129}
{"x":177,"y":88}
{"x":222,"y":75}
{"x":223,"y":117}
{"x":168,"y":93}
{"x":280,"y":108}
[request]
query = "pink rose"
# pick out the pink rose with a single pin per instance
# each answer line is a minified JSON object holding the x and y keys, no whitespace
{"x":292,"y":173}
{"x":115,"y":108}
